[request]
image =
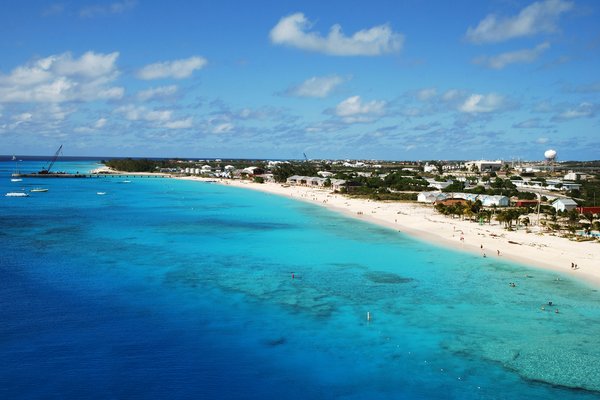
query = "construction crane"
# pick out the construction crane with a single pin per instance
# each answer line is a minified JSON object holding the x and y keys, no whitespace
{"x":46,"y":169}
{"x":305,"y":158}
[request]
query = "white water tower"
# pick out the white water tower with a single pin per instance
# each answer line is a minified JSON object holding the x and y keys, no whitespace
{"x":550,"y":155}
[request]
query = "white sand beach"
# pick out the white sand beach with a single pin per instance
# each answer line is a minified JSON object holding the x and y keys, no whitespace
{"x":421,"y":221}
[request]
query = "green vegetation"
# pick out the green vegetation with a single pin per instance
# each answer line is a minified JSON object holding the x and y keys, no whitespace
{"x":136,"y":165}
{"x":283,"y":171}
{"x":589,"y":194}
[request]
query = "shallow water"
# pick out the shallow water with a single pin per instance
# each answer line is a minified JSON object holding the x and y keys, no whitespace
{"x":184,"y":289}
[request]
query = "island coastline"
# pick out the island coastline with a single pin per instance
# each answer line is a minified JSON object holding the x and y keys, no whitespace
{"x":536,"y":250}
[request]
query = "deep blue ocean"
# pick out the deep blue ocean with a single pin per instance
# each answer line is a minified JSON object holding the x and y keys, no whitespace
{"x":162,"y":288}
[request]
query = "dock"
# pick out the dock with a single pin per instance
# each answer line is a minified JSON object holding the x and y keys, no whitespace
{"x":80,"y":176}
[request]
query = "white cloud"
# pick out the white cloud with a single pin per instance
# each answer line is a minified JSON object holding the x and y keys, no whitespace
{"x":179,"y":124}
{"x":106,"y":9}
{"x":177,"y":69}
{"x":158,"y":115}
{"x":136,"y":113}
{"x":426,"y":94}
{"x":482,"y":103}
{"x":292,"y":31}
{"x":157,"y":93}
{"x":521,"y":56}
{"x":100,"y":123}
{"x":539,"y":17}
{"x":60,"y":78}
{"x":451,"y":95}
{"x":354,"y":110}
{"x":223,"y":128}
{"x":20,"y":119}
{"x":583,"y":110}
{"x":154,"y":118}
{"x":317,"y":86}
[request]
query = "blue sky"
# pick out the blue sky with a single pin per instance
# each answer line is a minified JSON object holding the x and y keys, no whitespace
{"x":400,"y":80}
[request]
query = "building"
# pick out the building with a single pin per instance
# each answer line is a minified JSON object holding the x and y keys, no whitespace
{"x":439,"y":185}
{"x":431,"y":197}
{"x":253,"y":171}
{"x":490,"y":201}
{"x":564,"y":204}
{"x":588,"y":210}
{"x":575,"y":176}
{"x":484,"y":165}
{"x":428,"y":168}
{"x":526,"y":203}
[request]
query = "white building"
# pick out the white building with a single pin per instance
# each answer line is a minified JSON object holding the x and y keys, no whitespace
{"x":564,"y":204}
{"x":484,"y":165}
{"x":438,"y":185}
{"x":429,"y":168}
{"x":573,"y":176}
{"x":490,"y":201}
{"x":431,"y":197}
{"x":325,"y":174}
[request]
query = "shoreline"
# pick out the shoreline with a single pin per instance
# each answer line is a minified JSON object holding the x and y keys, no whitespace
{"x":541,"y":251}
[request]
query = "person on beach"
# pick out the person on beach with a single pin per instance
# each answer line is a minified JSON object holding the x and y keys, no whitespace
{"x":498,"y":252}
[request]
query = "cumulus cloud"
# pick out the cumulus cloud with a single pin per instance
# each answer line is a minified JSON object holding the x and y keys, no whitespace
{"x":179,"y":124}
{"x":317,"y":86}
{"x":528,"y":124}
{"x":155,"y":118}
{"x":100,"y":123}
{"x":177,"y":69}
{"x":353,"y":109}
{"x":539,"y":17}
{"x":60,"y":78}
{"x":482,"y":103}
{"x":426,"y":94}
{"x":514,"y":57}
{"x":157,"y":93}
{"x":582,"y":110}
{"x":97,"y":10}
{"x":223,"y":128}
{"x":293,"y":31}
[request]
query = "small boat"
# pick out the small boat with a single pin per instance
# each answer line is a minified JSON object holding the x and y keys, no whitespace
{"x":125,"y":181}
{"x":38,"y":190}
{"x":16,"y":194}
{"x":16,"y":171}
{"x":100,"y":193}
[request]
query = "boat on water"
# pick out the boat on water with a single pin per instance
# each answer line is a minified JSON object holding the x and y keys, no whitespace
{"x":16,"y":172}
{"x":16,"y":194}
{"x":38,"y":190}
{"x":100,"y":193}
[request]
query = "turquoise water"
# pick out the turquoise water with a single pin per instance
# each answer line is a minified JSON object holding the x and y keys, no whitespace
{"x":166,"y":288}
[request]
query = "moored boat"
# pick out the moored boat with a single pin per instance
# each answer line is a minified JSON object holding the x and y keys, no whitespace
{"x":16,"y":194}
{"x":39,"y":190}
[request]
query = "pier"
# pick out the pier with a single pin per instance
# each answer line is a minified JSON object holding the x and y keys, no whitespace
{"x":111,"y":176}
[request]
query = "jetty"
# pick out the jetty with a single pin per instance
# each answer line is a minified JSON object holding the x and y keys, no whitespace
{"x":88,"y":175}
